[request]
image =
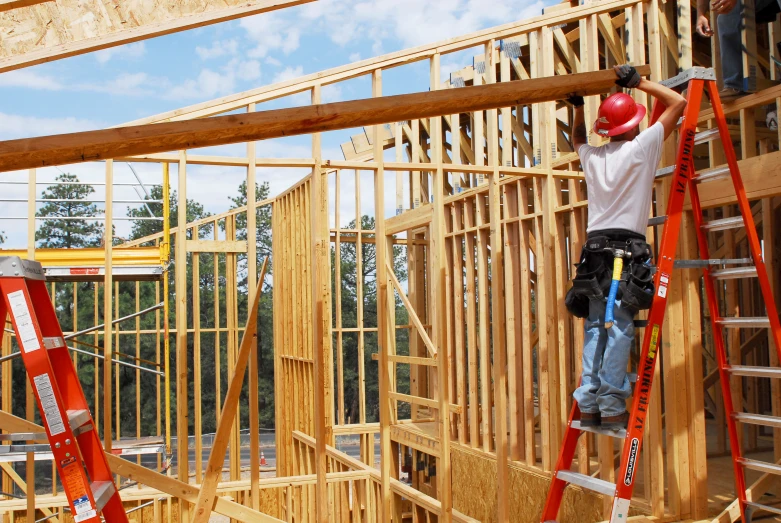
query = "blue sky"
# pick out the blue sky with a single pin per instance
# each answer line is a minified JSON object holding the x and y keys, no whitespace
{"x":122,"y":84}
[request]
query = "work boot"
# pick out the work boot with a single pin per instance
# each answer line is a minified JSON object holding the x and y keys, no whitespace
{"x":728,"y":94}
{"x":590,"y":419}
{"x":616,"y":423}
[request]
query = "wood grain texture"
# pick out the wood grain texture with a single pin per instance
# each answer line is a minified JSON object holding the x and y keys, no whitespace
{"x":53,"y":30}
{"x":146,"y":139}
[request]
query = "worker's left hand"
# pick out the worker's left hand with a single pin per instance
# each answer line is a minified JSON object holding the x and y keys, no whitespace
{"x":703,"y":26}
{"x":722,"y":7}
{"x":627,"y":76}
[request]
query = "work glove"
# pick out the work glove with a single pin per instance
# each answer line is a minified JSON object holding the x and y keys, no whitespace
{"x":627,"y":76}
{"x":576,"y":101}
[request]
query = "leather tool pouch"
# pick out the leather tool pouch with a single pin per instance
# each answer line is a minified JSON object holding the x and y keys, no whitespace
{"x":637,"y":285}
{"x":592,"y":277}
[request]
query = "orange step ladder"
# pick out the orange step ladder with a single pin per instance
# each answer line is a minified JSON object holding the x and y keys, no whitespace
{"x":70,"y":429}
{"x":685,"y":178}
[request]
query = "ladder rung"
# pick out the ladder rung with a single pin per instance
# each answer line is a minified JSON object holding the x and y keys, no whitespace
{"x":761,"y":466}
{"x":743,"y":323}
{"x":759,"y":506}
{"x":706,"y":136}
{"x":723,"y":224}
{"x":23,"y":436}
{"x":78,"y":418}
{"x":733,"y":273}
{"x":657,"y":220}
{"x":102,"y":492}
{"x":757,"y":419}
{"x":587,"y":482}
{"x":701,"y":264}
{"x":754,"y":372}
{"x":599,"y":430}
{"x":709,"y":175}
{"x":665,"y":172}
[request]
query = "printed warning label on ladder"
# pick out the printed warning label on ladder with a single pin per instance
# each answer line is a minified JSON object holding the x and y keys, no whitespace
{"x":24,"y":322}
{"x":24,"y":295}
{"x":74,"y":482}
{"x":49,"y":403}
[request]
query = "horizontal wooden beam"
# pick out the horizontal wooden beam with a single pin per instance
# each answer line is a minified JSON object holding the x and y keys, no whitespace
{"x":143,"y":475}
{"x":415,"y":496}
{"x":155,"y":138}
{"x":409,"y":220}
{"x":216,"y":246}
{"x":111,"y":26}
{"x":761,"y":179}
{"x":7,"y":5}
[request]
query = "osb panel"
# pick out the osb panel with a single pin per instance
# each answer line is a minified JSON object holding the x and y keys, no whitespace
{"x":270,"y":502}
{"x":66,"y":21}
{"x":474,"y":492}
{"x":144,"y":515}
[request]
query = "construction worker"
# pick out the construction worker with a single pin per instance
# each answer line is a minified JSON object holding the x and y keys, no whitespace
{"x":730,"y":15}
{"x":619,"y":178}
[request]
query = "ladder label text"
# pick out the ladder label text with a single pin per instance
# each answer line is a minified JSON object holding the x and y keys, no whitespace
{"x":24,"y":322}
{"x":630,"y":466}
{"x":51,"y":411}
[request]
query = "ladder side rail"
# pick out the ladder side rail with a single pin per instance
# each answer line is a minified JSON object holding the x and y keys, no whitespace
{"x":68,"y":382}
{"x":718,"y":338}
{"x":642,"y":396}
{"x":89,"y":444}
{"x":567,"y":453}
{"x":16,"y":298}
{"x":748,"y":220}
{"x":61,"y":362}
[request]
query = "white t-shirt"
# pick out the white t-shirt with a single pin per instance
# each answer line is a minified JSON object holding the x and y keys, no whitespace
{"x":620,"y":179}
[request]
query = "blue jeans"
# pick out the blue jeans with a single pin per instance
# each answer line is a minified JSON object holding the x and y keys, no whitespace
{"x":731,"y":48}
{"x":605,"y":387}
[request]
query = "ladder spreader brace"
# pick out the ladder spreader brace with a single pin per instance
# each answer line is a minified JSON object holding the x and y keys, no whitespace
{"x":685,"y":177}
{"x":74,"y":442}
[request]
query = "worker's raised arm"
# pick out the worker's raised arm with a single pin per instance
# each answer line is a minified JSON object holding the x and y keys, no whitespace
{"x":579,"y":132}
{"x":674,"y":103}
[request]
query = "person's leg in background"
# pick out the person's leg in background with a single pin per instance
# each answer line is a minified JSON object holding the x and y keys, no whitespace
{"x":731,"y":49}
{"x":594,"y":343}
{"x":614,"y":388}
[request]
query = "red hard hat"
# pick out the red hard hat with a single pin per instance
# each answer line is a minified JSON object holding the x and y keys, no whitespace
{"x":617,"y":114}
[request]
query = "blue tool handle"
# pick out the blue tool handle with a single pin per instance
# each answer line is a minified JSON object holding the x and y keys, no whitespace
{"x":618,"y":267}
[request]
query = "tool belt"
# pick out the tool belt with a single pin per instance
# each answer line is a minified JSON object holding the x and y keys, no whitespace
{"x":594,"y":272}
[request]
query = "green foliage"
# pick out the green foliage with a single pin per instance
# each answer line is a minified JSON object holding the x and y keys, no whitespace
{"x":142,"y":228}
{"x":349,"y":266}
{"x":59,"y":232}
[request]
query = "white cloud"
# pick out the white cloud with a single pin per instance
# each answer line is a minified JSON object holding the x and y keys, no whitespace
{"x":355,"y":57}
{"x":208,"y":84}
{"x":132,"y":51}
{"x":218,"y":48}
{"x":14,"y":126}
{"x":288,"y":74}
{"x":30,"y":79}
{"x":273,"y":61}
{"x":331,"y":93}
{"x":271,"y":32}
{"x":249,"y":70}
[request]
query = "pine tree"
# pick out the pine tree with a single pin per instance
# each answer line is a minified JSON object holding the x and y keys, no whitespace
{"x":142,"y":228}
{"x":61,"y":232}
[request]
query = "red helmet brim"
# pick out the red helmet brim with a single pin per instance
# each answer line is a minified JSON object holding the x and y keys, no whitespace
{"x":621,"y":129}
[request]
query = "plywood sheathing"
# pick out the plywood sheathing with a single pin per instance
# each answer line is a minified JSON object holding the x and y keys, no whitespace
{"x":57,"y":29}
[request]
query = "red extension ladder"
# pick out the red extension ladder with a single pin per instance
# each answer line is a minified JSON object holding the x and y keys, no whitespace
{"x":75,"y":444}
{"x":684,"y":176}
